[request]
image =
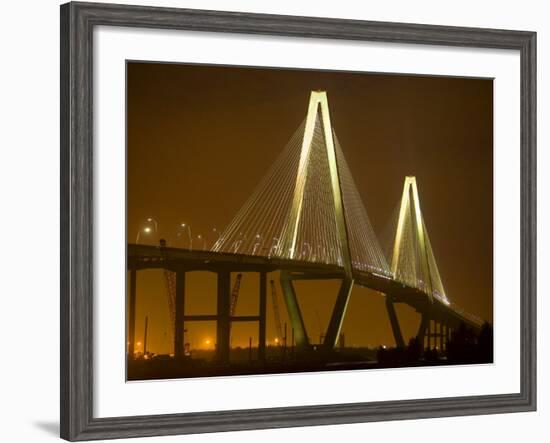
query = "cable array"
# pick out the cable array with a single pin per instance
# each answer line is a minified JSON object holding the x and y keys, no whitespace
{"x":366,"y":253}
{"x":257,"y":227}
{"x":412,"y":257}
{"x":292,"y":213}
{"x":263,"y":221}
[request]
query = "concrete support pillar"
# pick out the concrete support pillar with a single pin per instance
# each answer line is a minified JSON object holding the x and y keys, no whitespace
{"x":132,"y":314}
{"x":263,"y":311}
{"x":338,"y":313}
{"x":179,"y":326}
{"x":421,"y":334}
{"x":294,"y":313}
{"x":397,"y":335}
{"x":145,"y":335}
{"x":223,"y":317}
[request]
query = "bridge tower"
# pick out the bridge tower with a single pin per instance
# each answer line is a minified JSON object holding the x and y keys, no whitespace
{"x":410,"y":215}
{"x":318,"y":117}
{"x":413,"y":262}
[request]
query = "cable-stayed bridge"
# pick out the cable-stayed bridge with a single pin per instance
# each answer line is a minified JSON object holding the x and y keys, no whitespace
{"x":307,"y":220}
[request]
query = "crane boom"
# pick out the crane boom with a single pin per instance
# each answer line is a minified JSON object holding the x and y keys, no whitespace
{"x":276,"y":313}
{"x":235,"y":295}
{"x":170,"y":281}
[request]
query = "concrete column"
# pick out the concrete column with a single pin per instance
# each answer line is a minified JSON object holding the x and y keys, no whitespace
{"x":223,"y":322}
{"x":132,"y":314}
{"x":145,"y":335}
{"x":294,"y":313}
{"x":421,"y":334}
{"x":263,"y":311}
{"x":338,"y":313}
{"x":180,"y":313}
{"x":399,"y":342}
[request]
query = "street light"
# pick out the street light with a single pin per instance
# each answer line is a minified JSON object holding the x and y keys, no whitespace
{"x":147,"y":229}
{"x":184,"y":226}
{"x":199,"y":238}
{"x":152,"y":220}
{"x":239,"y":242}
{"x":274,"y":247}
{"x":257,"y":243}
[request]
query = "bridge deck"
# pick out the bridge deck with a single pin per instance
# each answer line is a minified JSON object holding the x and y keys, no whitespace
{"x":142,"y":257}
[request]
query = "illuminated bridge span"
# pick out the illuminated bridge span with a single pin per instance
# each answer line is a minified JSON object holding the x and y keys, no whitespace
{"x":307,"y":220}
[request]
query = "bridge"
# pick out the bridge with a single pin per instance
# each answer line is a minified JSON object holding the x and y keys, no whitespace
{"x":306,"y":219}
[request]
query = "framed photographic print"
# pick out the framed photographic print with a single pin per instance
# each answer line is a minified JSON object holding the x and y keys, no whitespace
{"x":273,"y":221}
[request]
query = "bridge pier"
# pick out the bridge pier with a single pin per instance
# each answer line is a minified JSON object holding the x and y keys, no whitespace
{"x":338,"y":313}
{"x":294,"y":313}
{"x":132,"y":314}
{"x":421,"y":334}
{"x":222,"y":317}
{"x":433,"y":333}
{"x":223,"y":324}
{"x":262,"y":315}
{"x":397,"y":335}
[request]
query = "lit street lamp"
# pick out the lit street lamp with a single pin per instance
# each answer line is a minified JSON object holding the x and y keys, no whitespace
{"x":239,"y":242}
{"x":186,"y":226}
{"x":274,"y":246}
{"x":200,"y":238}
{"x":147,"y":229}
{"x":257,"y":243}
{"x":152,"y":220}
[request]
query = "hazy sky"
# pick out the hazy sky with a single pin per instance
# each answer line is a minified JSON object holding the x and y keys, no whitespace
{"x":201,"y":137}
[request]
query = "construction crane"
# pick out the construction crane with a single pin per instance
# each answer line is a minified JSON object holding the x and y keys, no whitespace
{"x":276,"y":314}
{"x":170,"y":281}
{"x":235,"y":295}
{"x":234,"y":298}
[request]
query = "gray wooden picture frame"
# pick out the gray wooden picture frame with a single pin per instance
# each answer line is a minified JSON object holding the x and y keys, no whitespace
{"x":77,"y":23}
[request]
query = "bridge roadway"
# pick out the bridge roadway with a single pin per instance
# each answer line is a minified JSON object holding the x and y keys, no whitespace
{"x":142,"y":257}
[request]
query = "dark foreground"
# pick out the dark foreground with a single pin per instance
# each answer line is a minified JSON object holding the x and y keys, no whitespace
{"x":278,"y":361}
{"x":151,"y":370}
{"x":465,"y":347}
